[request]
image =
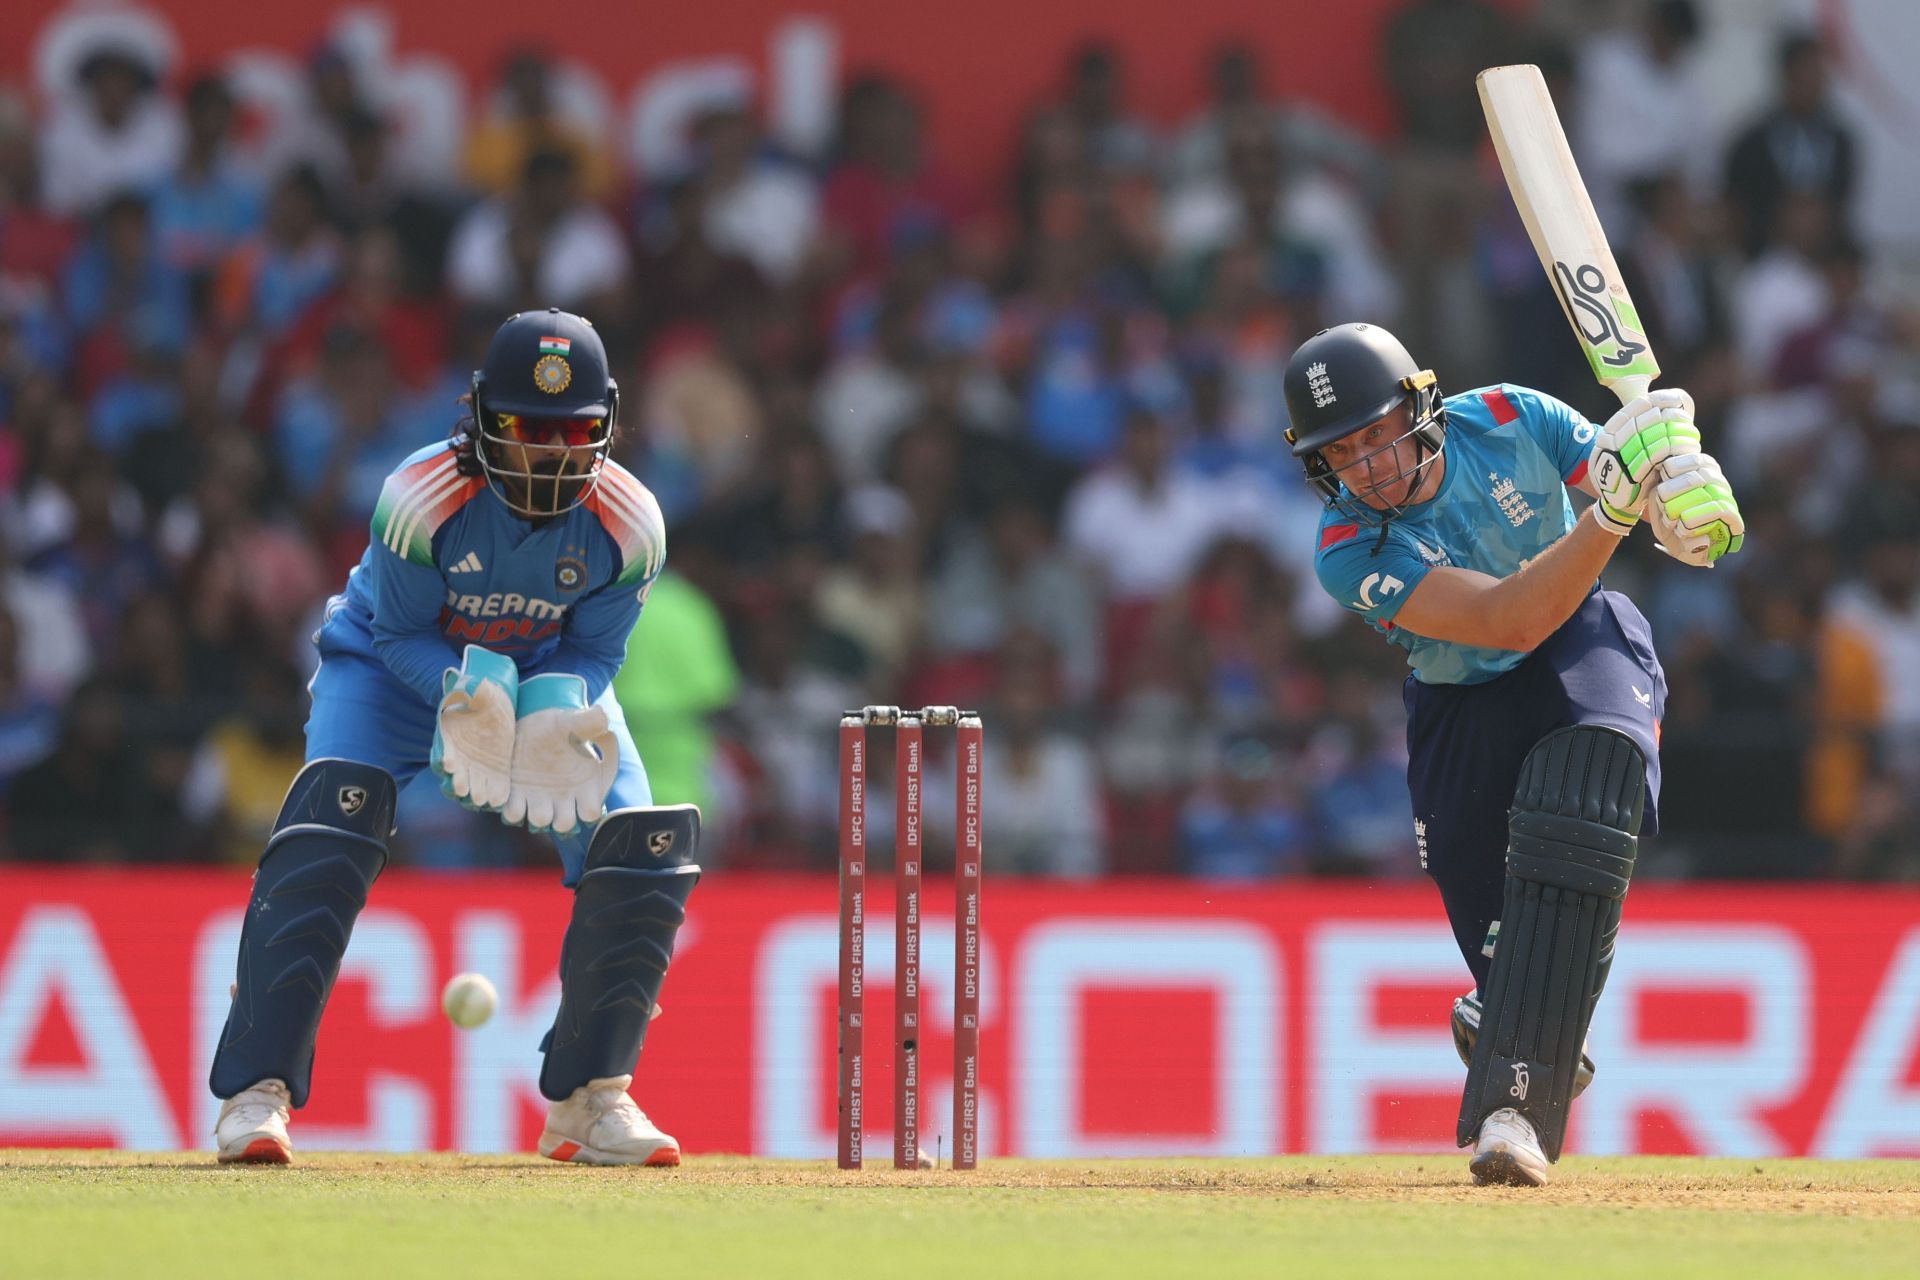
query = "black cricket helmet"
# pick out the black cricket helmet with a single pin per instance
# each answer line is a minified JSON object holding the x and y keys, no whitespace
{"x":1337,"y":382}
{"x":544,"y":410}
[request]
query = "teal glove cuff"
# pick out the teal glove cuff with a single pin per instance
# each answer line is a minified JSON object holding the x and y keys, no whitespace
{"x":555,"y":692}
{"x":479,"y":665}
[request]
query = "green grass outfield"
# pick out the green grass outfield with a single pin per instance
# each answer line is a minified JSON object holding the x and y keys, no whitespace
{"x":97,"y":1214}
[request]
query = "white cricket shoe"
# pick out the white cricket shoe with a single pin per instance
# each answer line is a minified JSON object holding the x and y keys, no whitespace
{"x":252,"y":1128}
{"x":1466,"y":1030}
{"x":1508,"y":1152}
{"x":600,"y":1124}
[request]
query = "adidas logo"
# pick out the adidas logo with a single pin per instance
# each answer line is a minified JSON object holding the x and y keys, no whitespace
{"x":470,"y":563}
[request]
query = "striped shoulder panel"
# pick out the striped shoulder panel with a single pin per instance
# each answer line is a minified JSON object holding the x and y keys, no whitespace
{"x":416,"y":501}
{"x":630,"y":515}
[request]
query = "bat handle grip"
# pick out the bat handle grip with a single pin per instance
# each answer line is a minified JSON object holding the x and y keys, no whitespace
{"x":1631,"y":389}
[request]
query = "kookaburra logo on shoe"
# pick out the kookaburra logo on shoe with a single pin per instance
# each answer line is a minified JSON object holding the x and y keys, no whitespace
{"x":1520,"y":1078}
{"x":1320,"y":385}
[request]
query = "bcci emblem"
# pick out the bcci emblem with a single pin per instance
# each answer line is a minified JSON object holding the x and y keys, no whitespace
{"x":351,"y":800}
{"x":552,"y":374}
{"x":569,"y":574}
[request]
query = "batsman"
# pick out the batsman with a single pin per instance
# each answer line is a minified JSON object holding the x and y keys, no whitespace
{"x":479,"y":636}
{"x":1534,"y":703}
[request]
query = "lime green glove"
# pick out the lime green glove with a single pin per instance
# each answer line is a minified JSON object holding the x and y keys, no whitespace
{"x":1645,"y":433}
{"x":1693,"y":513}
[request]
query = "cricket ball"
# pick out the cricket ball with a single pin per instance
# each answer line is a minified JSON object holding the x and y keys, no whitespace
{"x":469,"y":1000}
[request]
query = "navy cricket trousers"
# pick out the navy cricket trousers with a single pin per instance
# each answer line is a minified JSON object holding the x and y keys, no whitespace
{"x":1465,"y":745}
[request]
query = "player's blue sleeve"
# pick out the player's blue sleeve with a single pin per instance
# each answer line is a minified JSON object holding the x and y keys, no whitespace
{"x":1561,"y":430}
{"x":593,"y":642}
{"x":1367,"y":575}
{"x":406,"y":621}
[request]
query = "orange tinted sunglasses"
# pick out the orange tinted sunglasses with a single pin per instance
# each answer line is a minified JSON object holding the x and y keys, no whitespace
{"x":575,"y":433}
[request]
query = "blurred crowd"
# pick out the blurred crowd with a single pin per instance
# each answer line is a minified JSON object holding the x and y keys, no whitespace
{"x":1015,"y":446}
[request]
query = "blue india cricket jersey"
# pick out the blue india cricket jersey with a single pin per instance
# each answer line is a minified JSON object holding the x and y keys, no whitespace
{"x":449,"y":564}
{"x":1511,"y":453}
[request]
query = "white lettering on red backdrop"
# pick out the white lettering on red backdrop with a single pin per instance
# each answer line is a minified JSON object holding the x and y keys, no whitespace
{"x":1118,"y":1019}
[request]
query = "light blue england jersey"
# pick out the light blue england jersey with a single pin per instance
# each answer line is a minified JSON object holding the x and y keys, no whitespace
{"x":1511,"y":453}
{"x":448,"y":564}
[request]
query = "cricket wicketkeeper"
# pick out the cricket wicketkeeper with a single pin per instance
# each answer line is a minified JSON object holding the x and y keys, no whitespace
{"x":479,"y":635}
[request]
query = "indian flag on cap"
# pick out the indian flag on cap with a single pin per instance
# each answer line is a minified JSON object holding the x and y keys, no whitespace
{"x":555,"y":346}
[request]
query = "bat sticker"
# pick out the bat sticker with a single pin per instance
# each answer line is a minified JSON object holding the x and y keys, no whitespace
{"x":1585,"y":294}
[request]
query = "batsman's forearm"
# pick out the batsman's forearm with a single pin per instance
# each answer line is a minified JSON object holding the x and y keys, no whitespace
{"x":1546,"y":590}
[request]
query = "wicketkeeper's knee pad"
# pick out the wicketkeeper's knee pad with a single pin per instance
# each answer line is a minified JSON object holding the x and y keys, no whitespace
{"x":328,"y":847}
{"x":627,"y":910}
{"x":1575,"y":827}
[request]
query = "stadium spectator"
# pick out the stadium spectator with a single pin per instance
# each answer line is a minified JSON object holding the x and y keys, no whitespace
{"x":1784,"y":290}
{"x":118,"y":291}
{"x":267,"y":288}
{"x":882,"y":177}
{"x":309,"y":132}
{"x":210,"y":204}
{"x":1883,"y":606}
{"x":1249,"y":822}
{"x":51,"y":650}
{"x":1141,"y":523}
{"x":113,"y":131}
{"x":1639,"y":115}
{"x":101,"y":558}
{"x":524,"y":117}
{"x":1311,"y":137}
{"x":90,"y":801}
{"x":1011,"y":575}
{"x":238,"y":776}
{"x":1429,"y":54}
{"x":1800,"y":145}
{"x":36,"y":240}
{"x":29,"y":718}
{"x":1047,"y":816}
{"x":1675,"y":277}
{"x":340,"y":432}
{"x":877,"y":601}
{"x":755,"y":205}
{"x":540,"y":244}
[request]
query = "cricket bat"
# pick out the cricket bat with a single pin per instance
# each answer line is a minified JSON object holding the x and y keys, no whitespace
{"x":1566,"y":233}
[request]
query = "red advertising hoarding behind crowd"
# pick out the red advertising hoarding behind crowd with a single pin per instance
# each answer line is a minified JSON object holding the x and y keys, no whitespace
{"x":1119,"y":1018}
{"x":643,"y":68}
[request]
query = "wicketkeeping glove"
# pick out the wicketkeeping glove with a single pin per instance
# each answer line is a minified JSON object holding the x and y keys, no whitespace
{"x":1645,"y":433}
{"x":472,"y":752}
{"x":564,"y":757}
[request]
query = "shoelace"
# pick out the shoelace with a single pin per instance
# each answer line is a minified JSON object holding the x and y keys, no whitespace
{"x":256,"y":1109}
{"x":609,"y":1102}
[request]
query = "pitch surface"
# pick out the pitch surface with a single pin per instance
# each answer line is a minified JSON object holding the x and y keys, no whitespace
{"x":87,"y":1214}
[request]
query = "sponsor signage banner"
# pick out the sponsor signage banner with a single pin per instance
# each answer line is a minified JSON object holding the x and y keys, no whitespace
{"x":639,"y":76}
{"x":1129,"y":1018}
